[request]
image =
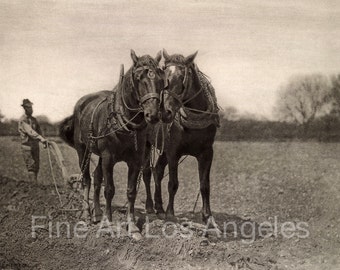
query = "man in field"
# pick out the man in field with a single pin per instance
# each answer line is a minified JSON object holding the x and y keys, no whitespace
{"x":30,"y":134}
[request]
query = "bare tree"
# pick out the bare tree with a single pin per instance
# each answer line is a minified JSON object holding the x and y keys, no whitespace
{"x":303,"y":98}
{"x":43,"y":119}
{"x":231,"y":113}
{"x":1,"y":117}
{"x":335,"y":91}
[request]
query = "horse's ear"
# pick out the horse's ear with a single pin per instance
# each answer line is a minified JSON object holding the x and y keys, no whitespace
{"x":158,"y":56}
{"x":166,"y":55}
{"x":190,"y":59}
{"x":134,"y":56}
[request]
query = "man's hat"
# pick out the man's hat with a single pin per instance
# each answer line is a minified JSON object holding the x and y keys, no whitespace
{"x":26,"y":103}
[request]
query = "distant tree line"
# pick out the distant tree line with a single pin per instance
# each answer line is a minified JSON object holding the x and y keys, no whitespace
{"x":326,"y":129}
{"x":307,"y":108}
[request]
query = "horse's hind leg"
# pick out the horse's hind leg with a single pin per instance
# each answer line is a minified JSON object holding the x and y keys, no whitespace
{"x":158,"y":177}
{"x":98,"y":179}
{"x":86,"y":181}
{"x":107,"y":169}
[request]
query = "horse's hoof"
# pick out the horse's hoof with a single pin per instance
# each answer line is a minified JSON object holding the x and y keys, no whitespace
{"x":105,"y":220}
{"x":149,"y":207}
{"x":132,"y":228}
{"x":161,"y":215}
{"x":86,"y":217}
{"x":171,"y":217}
{"x":150,"y":211}
{"x":211,"y":224}
{"x":108,"y":217}
{"x":136,"y":236}
{"x":88,"y":220}
{"x":152,"y":217}
{"x":97,"y":217}
{"x":134,"y":232}
{"x":159,"y":210}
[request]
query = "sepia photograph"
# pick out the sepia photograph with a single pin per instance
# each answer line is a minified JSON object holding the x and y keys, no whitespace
{"x":154,"y":134}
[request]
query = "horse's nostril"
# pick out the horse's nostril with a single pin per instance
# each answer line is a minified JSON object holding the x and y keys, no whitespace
{"x":152,"y":118}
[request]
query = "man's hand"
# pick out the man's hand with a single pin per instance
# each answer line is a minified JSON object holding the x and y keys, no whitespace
{"x":44,"y":142}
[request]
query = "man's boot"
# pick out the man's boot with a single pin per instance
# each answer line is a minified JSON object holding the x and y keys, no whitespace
{"x":33,"y":177}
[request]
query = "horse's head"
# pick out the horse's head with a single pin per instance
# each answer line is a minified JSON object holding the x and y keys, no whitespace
{"x":148,"y":82}
{"x":178,"y":71}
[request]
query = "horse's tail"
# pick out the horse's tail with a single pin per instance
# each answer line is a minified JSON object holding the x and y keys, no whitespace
{"x":66,"y":130}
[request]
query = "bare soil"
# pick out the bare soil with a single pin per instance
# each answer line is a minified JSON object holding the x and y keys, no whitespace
{"x":251,"y":183}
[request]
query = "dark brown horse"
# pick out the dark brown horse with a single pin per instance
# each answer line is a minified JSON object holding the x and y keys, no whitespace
{"x":191,"y":109}
{"x":112,"y":124}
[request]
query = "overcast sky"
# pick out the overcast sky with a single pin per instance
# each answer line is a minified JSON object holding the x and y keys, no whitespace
{"x":54,"y":52}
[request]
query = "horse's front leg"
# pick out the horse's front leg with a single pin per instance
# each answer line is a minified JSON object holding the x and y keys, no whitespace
{"x":98,"y":179}
{"x":158,"y":177}
{"x":107,"y":170}
{"x":172,"y":185}
{"x":204,"y":165}
{"x":133,"y":173}
{"x":147,"y":179}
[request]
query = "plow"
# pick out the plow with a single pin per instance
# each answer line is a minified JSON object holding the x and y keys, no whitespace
{"x":69,"y":179}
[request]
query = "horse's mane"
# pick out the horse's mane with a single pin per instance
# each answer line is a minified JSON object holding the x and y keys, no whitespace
{"x":176,"y":59}
{"x":147,"y":60}
{"x":127,"y":82}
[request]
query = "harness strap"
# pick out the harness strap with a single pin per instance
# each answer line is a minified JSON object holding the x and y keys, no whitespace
{"x":149,"y":96}
{"x":92,"y":116}
{"x":193,"y":97}
{"x":174,"y":95}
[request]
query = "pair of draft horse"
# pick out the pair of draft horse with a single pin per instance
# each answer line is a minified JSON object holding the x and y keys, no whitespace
{"x":115,"y":126}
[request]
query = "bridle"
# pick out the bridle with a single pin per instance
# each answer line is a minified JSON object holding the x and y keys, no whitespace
{"x":179,"y":97}
{"x":121,"y":103}
{"x":151,"y":74}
